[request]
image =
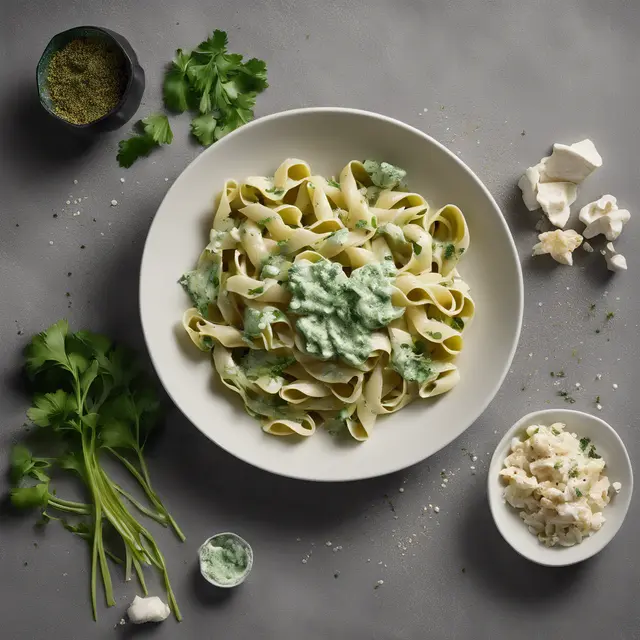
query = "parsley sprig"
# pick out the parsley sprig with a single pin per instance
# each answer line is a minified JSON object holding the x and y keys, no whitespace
{"x":94,"y":400}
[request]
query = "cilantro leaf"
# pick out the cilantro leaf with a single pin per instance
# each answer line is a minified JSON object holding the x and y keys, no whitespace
{"x":156,"y":126}
{"x":155,"y":131}
{"x":30,"y":497}
{"x":52,"y":409}
{"x":133,"y":148}
{"x":203,"y":128}
{"x":176,"y":88}
{"x":449,"y":251}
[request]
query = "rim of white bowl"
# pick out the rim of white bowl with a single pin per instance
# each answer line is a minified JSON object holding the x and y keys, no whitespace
{"x":497,"y":503}
{"x":375,"y":116}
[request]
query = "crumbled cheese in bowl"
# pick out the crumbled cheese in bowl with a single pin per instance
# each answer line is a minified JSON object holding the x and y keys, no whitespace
{"x":557,"y":482}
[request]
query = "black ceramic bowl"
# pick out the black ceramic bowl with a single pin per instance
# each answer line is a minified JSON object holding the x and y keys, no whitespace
{"x":131,"y":96}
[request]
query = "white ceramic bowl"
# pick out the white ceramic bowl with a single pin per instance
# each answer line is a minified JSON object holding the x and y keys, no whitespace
{"x":618,"y":469}
{"x":328,"y":138}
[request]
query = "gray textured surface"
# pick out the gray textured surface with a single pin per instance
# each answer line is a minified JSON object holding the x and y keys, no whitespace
{"x":501,"y":82}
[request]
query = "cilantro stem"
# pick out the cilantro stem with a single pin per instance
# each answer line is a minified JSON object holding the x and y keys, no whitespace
{"x":146,"y":486}
{"x":127,"y":565}
{"x":158,"y":517}
{"x":143,"y":584}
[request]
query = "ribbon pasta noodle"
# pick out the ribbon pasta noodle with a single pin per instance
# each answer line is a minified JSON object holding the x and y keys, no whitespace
{"x":330,"y":302}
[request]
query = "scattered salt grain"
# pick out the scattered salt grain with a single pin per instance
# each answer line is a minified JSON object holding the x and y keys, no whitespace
{"x":598,"y":376}
{"x":614,"y":385}
{"x":75,"y":182}
{"x":539,"y":304}
{"x":114,"y":203}
{"x":328,"y":543}
{"x":599,"y":407}
{"x":401,"y":490}
{"x":578,"y":385}
{"x":474,"y":458}
{"x":121,"y":179}
{"x":472,"y":468}
{"x":50,"y":241}
{"x":68,"y":201}
{"x":436,"y":509}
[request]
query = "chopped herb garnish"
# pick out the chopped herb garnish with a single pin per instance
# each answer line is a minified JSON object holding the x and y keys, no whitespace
{"x":265,"y":221}
{"x":578,"y":493}
{"x":417,"y":249}
{"x":361,"y":224}
{"x":573,"y":472}
{"x":449,"y":251}
{"x":388,"y":257}
{"x":461,"y":250}
{"x":332,"y":183}
{"x":597,"y":399}
{"x":276,"y":191}
{"x":584,"y":443}
{"x":256,"y":292}
{"x":436,"y":335}
{"x":457,"y":323}
{"x":555,"y":431}
{"x":311,"y":185}
{"x":558,"y":464}
{"x":593,"y":453}
{"x":566,"y":396}
{"x":374,"y":222}
{"x":610,"y":315}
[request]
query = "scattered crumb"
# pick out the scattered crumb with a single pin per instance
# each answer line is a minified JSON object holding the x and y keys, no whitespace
{"x":614,"y":385}
{"x":436,"y":509}
{"x":121,"y":179}
{"x":50,"y":241}
{"x":114,"y":203}
{"x":599,"y":406}
{"x":401,"y":490}
{"x":378,"y":584}
{"x":75,"y":182}
{"x":328,"y":543}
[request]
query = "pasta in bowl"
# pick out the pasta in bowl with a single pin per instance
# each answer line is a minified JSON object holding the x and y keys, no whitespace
{"x":330,"y":301}
{"x":327,"y":138}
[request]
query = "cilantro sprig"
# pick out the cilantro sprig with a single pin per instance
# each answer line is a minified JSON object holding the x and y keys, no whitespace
{"x":215,"y":83}
{"x":95,"y":401}
{"x":153,"y":131}
{"x":219,"y":87}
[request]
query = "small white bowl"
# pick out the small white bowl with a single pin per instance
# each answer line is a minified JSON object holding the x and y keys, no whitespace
{"x":243,"y":543}
{"x":618,"y":469}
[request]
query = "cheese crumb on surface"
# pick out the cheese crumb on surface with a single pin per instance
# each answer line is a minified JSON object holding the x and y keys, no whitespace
{"x":587,"y":247}
{"x":114,"y":203}
{"x":557,"y":482}
{"x":558,"y":244}
{"x":604,"y":217}
{"x":615,"y":261}
{"x":150,"y":609}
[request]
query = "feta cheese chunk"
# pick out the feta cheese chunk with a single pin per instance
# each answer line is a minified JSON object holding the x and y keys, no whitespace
{"x":587,"y":247}
{"x":556,"y":480}
{"x":615,"y":261}
{"x":148,"y":610}
{"x":572,"y":163}
{"x":604,"y":217}
{"x":555,"y":198}
{"x":558,"y":244}
{"x":529,"y":186}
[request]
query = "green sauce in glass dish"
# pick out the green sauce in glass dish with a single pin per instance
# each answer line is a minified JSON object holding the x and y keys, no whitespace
{"x":225,"y":559}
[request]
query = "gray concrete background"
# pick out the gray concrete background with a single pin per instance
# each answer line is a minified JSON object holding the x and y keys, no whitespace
{"x":502,"y":80}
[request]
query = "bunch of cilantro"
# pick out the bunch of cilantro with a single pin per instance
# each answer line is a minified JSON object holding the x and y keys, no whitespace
{"x":212,"y":83}
{"x":94,"y":400}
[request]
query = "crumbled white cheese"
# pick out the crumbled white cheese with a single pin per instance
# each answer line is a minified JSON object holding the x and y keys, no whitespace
{"x":604,"y":217}
{"x":558,"y":244}
{"x":150,"y":609}
{"x":555,"y":198}
{"x":557,"y":482}
{"x":616,"y":486}
{"x":572,"y":163}
{"x":615,"y":261}
{"x":587,"y":247}
{"x":529,"y":186}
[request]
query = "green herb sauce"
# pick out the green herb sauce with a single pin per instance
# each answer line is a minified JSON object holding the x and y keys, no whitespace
{"x":224,"y":559}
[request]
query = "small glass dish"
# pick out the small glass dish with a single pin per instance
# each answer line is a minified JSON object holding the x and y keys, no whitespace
{"x":135,"y":79}
{"x":222,"y":539}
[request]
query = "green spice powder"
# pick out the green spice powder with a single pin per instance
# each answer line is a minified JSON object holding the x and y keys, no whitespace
{"x":86,"y":79}
{"x":224,"y":560}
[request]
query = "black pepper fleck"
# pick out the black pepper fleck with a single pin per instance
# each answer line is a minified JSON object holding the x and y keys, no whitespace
{"x":55,"y":215}
{"x":69,"y":274}
{"x":82,"y":246}
{"x":336,"y":574}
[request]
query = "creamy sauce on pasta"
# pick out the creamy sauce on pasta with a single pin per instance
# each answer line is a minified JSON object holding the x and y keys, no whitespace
{"x":336,"y":313}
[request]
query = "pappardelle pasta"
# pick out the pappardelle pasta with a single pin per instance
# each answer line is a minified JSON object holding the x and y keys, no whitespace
{"x":330,"y":302}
